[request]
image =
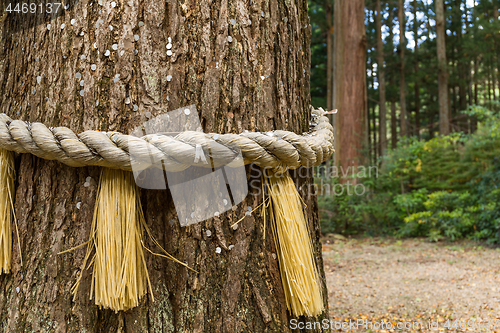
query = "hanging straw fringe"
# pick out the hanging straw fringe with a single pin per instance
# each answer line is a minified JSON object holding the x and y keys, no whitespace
{"x":299,"y":274}
{"x":6,"y":208}
{"x":120,"y":277}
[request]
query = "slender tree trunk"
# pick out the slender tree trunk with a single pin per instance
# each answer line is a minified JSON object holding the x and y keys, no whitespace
{"x":329,"y":55}
{"x":488,"y":83}
{"x":476,"y":78}
{"x":444,"y":122}
{"x":64,"y":76}
{"x":470,"y":84}
{"x":462,"y":88}
{"x":372,"y":119}
{"x":496,"y":15}
{"x":476,"y":59}
{"x":417,"y":79}
{"x":468,"y":68}
{"x":402,"y":83}
{"x":372,"y":122}
{"x":461,"y":60}
{"x":492,"y":78}
{"x":381,"y":82}
{"x":473,"y":120}
{"x":369,"y":133}
{"x":394,"y":121}
{"x":350,"y":81}
{"x":451,"y":92}
{"x":375,"y":136}
{"x":394,"y":126}
{"x":453,"y":101}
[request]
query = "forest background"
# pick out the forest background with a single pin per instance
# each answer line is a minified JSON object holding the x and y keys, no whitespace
{"x":423,"y":109}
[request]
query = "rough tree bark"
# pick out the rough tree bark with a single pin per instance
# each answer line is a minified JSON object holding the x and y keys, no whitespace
{"x":245,"y":64}
{"x":402,"y":82}
{"x":350,"y":82}
{"x":444,"y":122}
{"x":381,"y":83}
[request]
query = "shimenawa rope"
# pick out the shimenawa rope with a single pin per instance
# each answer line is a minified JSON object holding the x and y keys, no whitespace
{"x":120,"y":276}
{"x":112,"y":149}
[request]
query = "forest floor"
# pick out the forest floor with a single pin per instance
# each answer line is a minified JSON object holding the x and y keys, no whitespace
{"x":429,"y":287}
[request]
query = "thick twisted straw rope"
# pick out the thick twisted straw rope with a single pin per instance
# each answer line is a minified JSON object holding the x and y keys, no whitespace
{"x":120,"y":151}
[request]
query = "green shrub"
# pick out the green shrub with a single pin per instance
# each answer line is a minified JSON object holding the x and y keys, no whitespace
{"x":444,"y":188}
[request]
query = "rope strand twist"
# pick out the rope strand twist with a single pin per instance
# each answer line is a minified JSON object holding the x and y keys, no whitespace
{"x":119,"y":151}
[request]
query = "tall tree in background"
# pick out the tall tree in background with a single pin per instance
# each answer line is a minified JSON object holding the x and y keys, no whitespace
{"x":469,"y":69}
{"x":350,"y":81}
{"x":329,"y":57}
{"x":402,"y":83}
{"x":460,"y":56}
{"x":416,"y":74}
{"x":394,"y":121}
{"x":444,"y":122}
{"x":381,"y":82}
{"x":372,"y":105}
{"x":235,"y":84}
{"x":496,"y":44}
{"x":321,"y":16}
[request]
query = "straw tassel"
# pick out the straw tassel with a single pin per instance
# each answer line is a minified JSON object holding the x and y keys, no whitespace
{"x":120,"y":277}
{"x":6,"y":208}
{"x":298,"y":270}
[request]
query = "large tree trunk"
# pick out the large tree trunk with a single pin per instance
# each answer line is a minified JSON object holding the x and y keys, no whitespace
{"x":402,"y":82}
{"x":244,"y":64}
{"x":444,"y":122}
{"x":350,"y":82}
{"x":381,"y":83}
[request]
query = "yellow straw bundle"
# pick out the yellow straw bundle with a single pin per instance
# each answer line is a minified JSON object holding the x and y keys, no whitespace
{"x":299,"y":274}
{"x":6,"y":208}
{"x":120,"y":276}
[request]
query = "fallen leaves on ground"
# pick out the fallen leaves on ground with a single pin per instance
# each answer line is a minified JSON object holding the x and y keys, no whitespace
{"x":451,"y":285}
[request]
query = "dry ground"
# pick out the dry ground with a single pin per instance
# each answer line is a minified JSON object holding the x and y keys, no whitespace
{"x":408,"y":281}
